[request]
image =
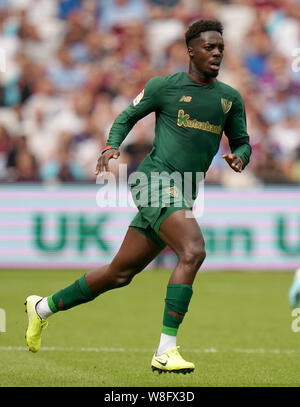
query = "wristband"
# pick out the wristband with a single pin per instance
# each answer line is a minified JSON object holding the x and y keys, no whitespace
{"x":106,"y":148}
{"x":241,"y":162}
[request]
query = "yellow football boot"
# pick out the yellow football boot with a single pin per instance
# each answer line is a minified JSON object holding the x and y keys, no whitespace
{"x":35,"y":324}
{"x":171,"y":361}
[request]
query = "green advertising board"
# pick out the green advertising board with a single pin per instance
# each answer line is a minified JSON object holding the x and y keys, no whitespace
{"x":64,"y":227}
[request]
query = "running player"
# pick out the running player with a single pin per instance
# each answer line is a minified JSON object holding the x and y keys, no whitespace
{"x":192,"y":111}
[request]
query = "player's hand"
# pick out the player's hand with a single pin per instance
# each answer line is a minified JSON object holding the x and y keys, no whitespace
{"x":234,"y":162}
{"x":102,"y":165}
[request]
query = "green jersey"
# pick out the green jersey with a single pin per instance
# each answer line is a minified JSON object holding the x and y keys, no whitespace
{"x":190,"y":120}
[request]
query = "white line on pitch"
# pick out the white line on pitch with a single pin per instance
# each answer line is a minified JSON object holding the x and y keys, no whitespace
{"x":141,"y":350}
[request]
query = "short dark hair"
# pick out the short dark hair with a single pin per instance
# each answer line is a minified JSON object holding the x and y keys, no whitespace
{"x":201,"y":26}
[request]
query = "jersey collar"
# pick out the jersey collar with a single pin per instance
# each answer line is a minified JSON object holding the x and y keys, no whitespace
{"x":202,"y":83}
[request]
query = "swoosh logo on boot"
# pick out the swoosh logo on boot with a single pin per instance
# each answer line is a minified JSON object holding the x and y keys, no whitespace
{"x":162,"y":363}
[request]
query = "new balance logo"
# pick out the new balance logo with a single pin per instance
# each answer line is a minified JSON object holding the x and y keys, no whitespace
{"x":186,"y":99}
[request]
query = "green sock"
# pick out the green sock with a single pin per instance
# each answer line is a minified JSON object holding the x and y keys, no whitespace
{"x":75,"y":294}
{"x":176,"y":305}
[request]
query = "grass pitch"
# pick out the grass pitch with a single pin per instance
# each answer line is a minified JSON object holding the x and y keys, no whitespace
{"x":237,"y":332}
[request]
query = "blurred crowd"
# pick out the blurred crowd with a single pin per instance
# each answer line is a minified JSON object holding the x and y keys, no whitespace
{"x":69,"y":67}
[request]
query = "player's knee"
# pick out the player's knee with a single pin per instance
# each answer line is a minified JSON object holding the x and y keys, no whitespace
{"x":193,"y":255}
{"x":202,"y":255}
{"x":122,"y":279}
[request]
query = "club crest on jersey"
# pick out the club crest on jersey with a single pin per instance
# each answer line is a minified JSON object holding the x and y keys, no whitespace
{"x":186,"y":99}
{"x":138,"y":98}
{"x":226,"y":105}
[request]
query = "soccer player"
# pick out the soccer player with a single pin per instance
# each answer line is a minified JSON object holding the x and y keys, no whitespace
{"x":294,"y":291}
{"x":192,"y":110}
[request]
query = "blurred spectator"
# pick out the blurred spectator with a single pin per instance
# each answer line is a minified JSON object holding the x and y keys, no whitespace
{"x":71,"y":66}
{"x":19,"y":146}
{"x":269,"y":171}
{"x":164,"y":3}
{"x":65,"y":74}
{"x":68,"y":6}
{"x":5,"y":146}
{"x":26,"y":167}
{"x":114,"y":13}
{"x":21,"y":165}
{"x":61,"y":168}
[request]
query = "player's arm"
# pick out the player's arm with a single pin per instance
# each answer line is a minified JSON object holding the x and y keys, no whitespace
{"x":148,"y":100}
{"x":236,"y":131}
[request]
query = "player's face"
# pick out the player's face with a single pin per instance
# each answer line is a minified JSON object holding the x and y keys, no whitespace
{"x":206,"y":52}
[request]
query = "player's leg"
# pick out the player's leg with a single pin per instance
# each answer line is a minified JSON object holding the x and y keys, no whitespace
{"x":183,"y":235}
{"x":135,"y":253}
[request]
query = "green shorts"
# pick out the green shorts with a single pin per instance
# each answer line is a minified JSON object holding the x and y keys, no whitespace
{"x":148,"y":222}
{"x":155,"y":204}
